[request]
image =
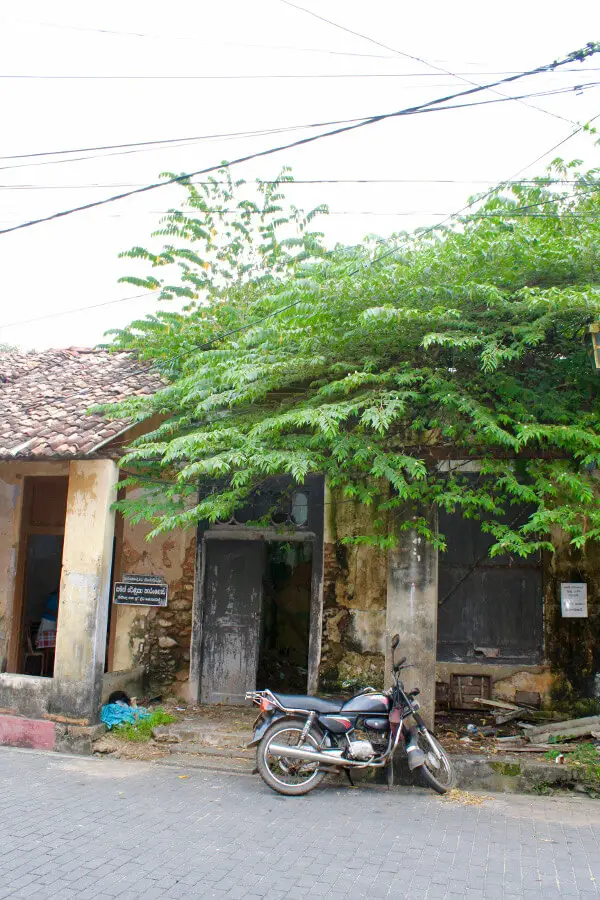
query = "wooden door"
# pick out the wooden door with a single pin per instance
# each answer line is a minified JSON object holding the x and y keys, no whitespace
{"x":231,"y":622}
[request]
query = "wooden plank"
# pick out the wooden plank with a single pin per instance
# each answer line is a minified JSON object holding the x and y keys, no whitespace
{"x":567,"y":733}
{"x":566,"y":726}
{"x":500,"y":704}
{"x":538,"y":748}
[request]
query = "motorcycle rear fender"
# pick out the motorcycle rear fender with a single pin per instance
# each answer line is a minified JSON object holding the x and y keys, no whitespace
{"x":263,"y":725}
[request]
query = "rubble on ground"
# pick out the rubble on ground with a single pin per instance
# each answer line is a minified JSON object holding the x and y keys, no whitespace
{"x":507,"y":728}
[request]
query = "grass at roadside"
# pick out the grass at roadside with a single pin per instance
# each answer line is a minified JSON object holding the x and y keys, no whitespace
{"x":142,"y":730}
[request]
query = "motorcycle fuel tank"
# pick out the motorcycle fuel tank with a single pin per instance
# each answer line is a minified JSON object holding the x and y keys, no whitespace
{"x":367,"y":703}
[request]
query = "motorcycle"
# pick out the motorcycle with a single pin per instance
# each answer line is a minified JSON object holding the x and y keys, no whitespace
{"x":300,"y":739}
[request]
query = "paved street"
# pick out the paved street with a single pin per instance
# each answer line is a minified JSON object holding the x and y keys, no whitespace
{"x":89,"y":828}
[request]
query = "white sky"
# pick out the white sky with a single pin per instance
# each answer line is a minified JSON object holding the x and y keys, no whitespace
{"x":71,"y":263}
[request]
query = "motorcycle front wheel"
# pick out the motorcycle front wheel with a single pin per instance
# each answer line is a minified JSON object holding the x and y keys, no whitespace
{"x":284,"y":774}
{"x":437,"y":771}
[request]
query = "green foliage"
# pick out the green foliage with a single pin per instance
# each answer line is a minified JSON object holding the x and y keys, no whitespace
{"x":584,"y":757}
{"x":141,"y":732}
{"x":465,"y":343}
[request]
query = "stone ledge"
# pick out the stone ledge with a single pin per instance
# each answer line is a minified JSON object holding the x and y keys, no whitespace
{"x":43,"y":734}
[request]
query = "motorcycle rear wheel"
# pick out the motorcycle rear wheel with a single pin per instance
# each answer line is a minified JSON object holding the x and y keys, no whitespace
{"x":437,"y":771}
{"x":291,"y":777}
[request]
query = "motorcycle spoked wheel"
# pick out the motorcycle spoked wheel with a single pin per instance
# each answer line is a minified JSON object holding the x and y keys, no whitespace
{"x":437,"y":771}
{"x":292,"y":777}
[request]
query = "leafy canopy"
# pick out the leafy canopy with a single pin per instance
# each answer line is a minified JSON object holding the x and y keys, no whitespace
{"x":467,"y":342}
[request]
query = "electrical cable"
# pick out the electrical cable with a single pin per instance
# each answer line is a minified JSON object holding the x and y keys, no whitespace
{"x":257,"y":133}
{"x":412,"y":57}
{"x":494,"y":181}
{"x":589,"y":51}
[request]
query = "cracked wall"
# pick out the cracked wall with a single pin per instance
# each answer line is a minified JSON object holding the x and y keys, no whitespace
{"x":354,"y":599}
{"x":157,"y":638}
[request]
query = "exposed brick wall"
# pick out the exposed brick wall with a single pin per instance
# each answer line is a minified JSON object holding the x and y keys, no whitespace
{"x":354,"y":603}
{"x":160,"y":638}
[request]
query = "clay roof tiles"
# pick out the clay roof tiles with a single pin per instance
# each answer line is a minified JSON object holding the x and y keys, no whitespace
{"x":44,"y":398}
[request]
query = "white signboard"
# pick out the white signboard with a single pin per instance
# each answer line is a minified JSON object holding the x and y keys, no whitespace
{"x":573,"y":600}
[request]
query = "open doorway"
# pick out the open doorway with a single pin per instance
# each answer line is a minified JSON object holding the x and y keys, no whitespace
{"x":37,"y":599}
{"x":285,"y":617}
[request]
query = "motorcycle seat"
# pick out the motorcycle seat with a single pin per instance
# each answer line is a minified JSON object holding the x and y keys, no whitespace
{"x":303,"y":701}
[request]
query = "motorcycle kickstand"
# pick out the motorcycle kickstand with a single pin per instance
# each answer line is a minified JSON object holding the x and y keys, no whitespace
{"x":349,"y":777}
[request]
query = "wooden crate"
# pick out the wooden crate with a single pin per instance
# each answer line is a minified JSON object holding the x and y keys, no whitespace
{"x":465,"y":688}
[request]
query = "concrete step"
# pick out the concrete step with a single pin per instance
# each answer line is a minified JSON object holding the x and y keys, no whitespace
{"x":221,"y":740}
{"x":209,"y":734}
{"x":230,"y":765}
{"x":195,"y":749}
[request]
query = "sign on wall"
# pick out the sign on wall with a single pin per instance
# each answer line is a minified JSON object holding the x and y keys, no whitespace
{"x":143,"y":579}
{"x":139,"y":590}
{"x":573,"y":600}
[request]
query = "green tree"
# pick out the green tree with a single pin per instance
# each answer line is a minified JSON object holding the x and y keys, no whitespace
{"x":465,"y":340}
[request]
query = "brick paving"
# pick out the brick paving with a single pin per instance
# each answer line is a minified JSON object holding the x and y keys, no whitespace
{"x":74,"y":829}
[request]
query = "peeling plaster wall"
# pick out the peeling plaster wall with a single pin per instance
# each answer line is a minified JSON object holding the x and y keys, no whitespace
{"x":157,"y":638}
{"x":572,"y":645}
{"x":354,"y":599}
{"x":11,"y":492}
{"x":505,"y":680}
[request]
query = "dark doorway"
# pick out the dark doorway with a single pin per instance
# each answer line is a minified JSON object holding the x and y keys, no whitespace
{"x":37,"y":599}
{"x":285,"y":617}
{"x":490,"y":610}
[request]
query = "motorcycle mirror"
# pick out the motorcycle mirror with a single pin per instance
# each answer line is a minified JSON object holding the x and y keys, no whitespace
{"x":395,"y":641}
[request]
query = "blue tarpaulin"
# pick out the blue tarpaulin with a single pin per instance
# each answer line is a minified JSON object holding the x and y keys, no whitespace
{"x":121,"y":714}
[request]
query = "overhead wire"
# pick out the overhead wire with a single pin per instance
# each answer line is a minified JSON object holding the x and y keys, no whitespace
{"x":192,"y":211}
{"x":260,"y":132}
{"x":301,"y":142}
{"x":419,"y":59}
{"x":377,"y":259}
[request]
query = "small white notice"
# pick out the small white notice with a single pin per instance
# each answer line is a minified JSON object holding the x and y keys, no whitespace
{"x":573,"y":600}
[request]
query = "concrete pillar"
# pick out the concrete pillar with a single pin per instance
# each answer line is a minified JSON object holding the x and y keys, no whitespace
{"x":84,"y":589}
{"x":412,"y":600}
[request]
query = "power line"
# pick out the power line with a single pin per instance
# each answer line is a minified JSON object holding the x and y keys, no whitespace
{"x":271,"y":76}
{"x":590,"y":50}
{"x":514,"y":213}
{"x":68,"y":312}
{"x":301,"y":181}
{"x":206,"y":345}
{"x":200,"y":137}
{"x":171,"y":37}
{"x":144,"y":147}
{"x":258,"y":133}
{"x":268,"y":76}
{"x":411,"y":56}
{"x":148,"y":146}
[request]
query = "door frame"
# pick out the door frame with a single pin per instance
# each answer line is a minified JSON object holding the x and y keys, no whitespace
{"x":245,"y":533}
{"x":15,"y":642}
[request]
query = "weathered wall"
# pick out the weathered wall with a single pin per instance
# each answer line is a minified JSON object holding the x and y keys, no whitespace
{"x":354,"y":599}
{"x":412,"y":605}
{"x":157,"y":638}
{"x":11,"y":491}
{"x":505,"y":680}
{"x":572,"y":645}
{"x":84,"y":589}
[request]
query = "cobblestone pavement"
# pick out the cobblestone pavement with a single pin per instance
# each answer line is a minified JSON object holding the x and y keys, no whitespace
{"x":74,"y":829}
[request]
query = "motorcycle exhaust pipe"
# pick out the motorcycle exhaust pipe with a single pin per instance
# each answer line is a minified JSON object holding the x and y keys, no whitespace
{"x":333,"y":758}
{"x":416,"y":756}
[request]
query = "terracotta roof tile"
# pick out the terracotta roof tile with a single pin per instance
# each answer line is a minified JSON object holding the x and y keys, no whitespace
{"x":44,"y":398}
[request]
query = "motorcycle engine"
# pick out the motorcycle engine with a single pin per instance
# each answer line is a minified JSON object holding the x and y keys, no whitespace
{"x":360,"y":750}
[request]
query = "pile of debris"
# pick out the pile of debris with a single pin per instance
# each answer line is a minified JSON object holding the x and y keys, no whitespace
{"x":511,"y":728}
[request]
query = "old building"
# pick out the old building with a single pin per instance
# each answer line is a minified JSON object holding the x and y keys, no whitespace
{"x":88,"y":605}
{"x":61,"y":546}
